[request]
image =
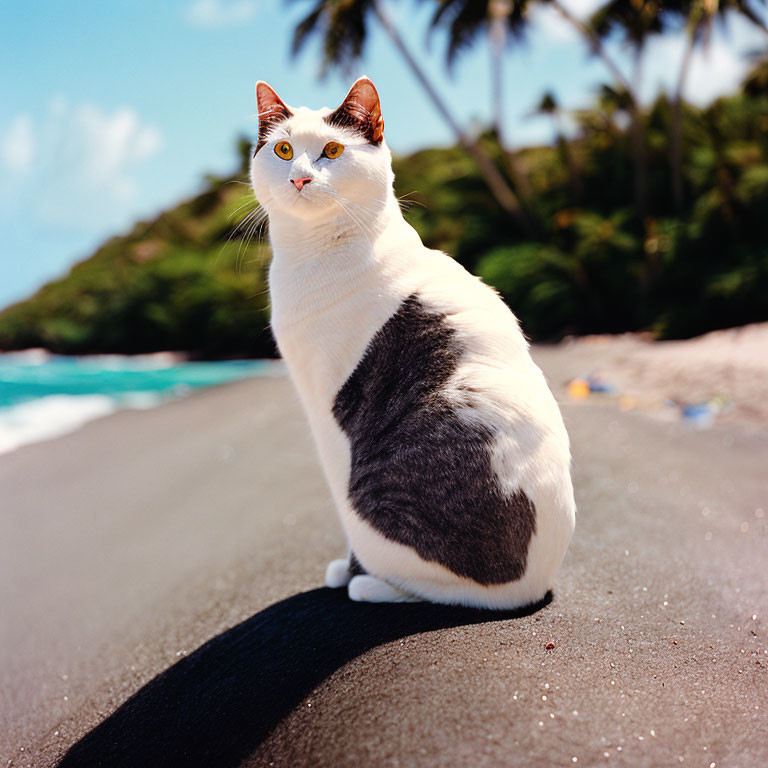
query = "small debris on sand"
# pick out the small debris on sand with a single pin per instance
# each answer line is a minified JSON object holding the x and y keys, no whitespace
{"x":720,"y":377}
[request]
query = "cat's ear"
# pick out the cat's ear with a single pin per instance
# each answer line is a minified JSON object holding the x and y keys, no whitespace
{"x":361,"y":111}
{"x":271,"y":110}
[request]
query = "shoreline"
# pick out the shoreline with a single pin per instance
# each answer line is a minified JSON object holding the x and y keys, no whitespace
{"x":51,"y":414}
{"x":717,"y":378}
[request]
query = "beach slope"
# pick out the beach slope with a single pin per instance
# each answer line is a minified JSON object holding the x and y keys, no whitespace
{"x":193,"y":538}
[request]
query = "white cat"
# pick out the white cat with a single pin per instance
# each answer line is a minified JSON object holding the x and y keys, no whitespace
{"x":444,"y":449}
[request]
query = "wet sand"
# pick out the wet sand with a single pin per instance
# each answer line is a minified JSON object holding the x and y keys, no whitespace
{"x":128,"y":545}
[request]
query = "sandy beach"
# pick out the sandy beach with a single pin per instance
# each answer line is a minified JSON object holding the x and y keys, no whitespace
{"x":727,"y":368}
{"x":193,"y":538}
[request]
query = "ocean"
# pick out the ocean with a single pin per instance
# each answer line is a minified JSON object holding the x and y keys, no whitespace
{"x":43,"y":396}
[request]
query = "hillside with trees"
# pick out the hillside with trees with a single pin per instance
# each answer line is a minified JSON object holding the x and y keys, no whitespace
{"x":643,"y":218}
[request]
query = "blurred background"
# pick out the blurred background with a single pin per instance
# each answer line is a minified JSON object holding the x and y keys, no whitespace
{"x":603,"y":164}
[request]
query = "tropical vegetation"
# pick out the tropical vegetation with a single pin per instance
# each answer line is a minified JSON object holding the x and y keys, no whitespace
{"x":645,"y":218}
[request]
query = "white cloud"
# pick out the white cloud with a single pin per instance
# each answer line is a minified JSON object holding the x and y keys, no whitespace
{"x":553,"y":27}
{"x":582,"y":9}
{"x":220,"y":13}
{"x":84,"y":168}
{"x":17,"y":145}
{"x":715,"y":70}
{"x":104,"y":148}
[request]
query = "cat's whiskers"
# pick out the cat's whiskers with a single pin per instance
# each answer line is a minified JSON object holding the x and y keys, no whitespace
{"x":249,"y":200}
{"x":257,"y":218}
{"x":343,"y":205}
{"x":406,"y":205}
{"x":371,"y":213}
{"x":240,"y":225}
{"x":346,"y":212}
{"x":256,"y":230}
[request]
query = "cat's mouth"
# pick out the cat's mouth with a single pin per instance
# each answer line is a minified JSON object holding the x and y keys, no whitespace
{"x":302,"y":198}
{"x":309,"y":198}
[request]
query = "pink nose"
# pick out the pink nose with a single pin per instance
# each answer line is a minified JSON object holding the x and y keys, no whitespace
{"x":299,"y":183}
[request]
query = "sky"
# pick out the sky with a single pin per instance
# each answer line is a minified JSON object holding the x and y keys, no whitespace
{"x":112,"y":111}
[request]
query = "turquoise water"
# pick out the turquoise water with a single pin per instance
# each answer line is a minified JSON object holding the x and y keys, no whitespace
{"x":44,"y":396}
{"x":22,"y":380}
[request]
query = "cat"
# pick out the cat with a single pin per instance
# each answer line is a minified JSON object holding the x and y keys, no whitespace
{"x":445,"y":451}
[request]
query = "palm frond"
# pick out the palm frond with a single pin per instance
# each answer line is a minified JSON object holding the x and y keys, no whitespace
{"x":307,"y":27}
{"x":464,"y":20}
{"x":340,"y":25}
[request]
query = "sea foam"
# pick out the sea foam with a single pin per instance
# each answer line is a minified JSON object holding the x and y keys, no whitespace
{"x":49,"y":417}
{"x":43,"y":396}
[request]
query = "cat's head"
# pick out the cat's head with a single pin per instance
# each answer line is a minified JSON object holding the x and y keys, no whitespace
{"x":311,"y":164}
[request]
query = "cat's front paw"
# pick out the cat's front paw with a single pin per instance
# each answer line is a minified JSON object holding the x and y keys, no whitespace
{"x":369,"y":589}
{"x":337,"y":574}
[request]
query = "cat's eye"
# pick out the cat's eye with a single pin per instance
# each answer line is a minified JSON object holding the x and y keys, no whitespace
{"x":333,"y":150}
{"x":284,"y":150}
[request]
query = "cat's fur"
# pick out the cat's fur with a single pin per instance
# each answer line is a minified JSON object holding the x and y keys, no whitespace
{"x":444,"y":449}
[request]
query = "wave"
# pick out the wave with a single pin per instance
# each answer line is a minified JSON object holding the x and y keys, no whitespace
{"x":43,"y":396}
{"x":55,"y":415}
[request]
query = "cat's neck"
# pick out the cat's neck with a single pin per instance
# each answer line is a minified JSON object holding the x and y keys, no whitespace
{"x":301,"y":244}
{"x":316,"y":263}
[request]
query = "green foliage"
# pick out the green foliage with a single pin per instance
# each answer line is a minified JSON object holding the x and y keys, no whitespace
{"x":465,"y":20}
{"x":342,"y":26}
{"x":194,"y":278}
{"x":177,"y":283}
{"x":596,"y":266}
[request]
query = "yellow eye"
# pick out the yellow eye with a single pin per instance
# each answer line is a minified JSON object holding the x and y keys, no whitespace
{"x":333,"y":150}
{"x":284,"y":150}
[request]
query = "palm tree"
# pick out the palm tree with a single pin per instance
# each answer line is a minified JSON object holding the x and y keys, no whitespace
{"x":594,"y":42}
{"x":636,"y":21}
{"x":549,"y":106}
{"x":498,"y":20}
{"x":342,"y":26}
{"x":699,"y":16}
{"x":756,"y":81}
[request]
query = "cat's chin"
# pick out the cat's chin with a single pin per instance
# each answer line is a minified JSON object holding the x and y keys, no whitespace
{"x":306,"y":209}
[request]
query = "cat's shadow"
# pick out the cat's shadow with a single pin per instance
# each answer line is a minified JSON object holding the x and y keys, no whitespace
{"x":215,"y":706}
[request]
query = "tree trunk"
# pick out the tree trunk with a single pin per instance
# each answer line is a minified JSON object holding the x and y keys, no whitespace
{"x":638,"y":142}
{"x":595,"y":44}
{"x":638,"y":128}
{"x":574,"y":171}
{"x":498,"y":11}
{"x":497,"y":37}
{"x":497,"y":184}
{"x":676,"y":147}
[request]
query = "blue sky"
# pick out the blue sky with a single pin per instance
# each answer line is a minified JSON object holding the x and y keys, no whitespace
{"x":110,"y":111}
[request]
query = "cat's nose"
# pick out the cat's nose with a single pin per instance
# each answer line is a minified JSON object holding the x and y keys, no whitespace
{"x":299,"y":183}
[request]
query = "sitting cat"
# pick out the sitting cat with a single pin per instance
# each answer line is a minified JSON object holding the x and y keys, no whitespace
{"x":444,"y":449}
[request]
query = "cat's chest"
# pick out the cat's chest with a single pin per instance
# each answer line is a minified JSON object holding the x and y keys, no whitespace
{"x":322,"y":343}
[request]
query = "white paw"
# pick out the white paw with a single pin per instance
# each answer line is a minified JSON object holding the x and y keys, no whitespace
{"x":369,"y":589}
{"x":337,"y":574}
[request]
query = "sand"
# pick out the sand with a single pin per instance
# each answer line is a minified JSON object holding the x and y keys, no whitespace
{"x":126,"y":546}
{"x":728,"y":369}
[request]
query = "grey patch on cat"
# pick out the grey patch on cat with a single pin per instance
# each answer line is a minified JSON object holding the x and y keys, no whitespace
{"x":355,"y":116}
{"x":419,"y":475}
{"x":355,"y":567}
